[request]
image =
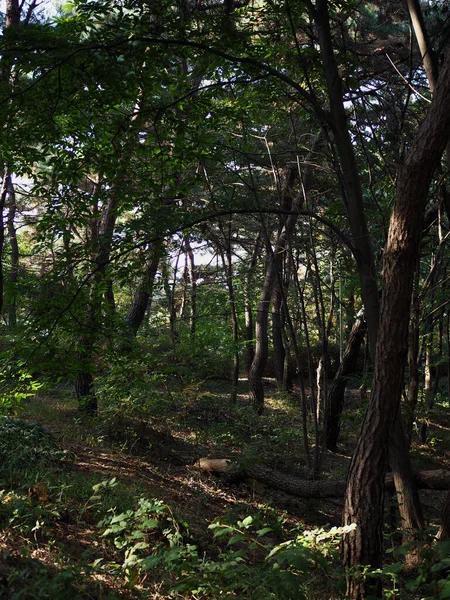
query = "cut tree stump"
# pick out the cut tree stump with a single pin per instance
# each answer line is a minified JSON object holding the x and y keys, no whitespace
{"x":438,"y":479}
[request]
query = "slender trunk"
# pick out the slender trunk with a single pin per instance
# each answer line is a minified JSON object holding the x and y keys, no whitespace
{"x":277,"y":327}
{"x":228,"y":268}
{"x":14,"y":275}
{"x":336,"y":392}
{"x":142,"y":297}
{"x":12,"y":14}
{"x":410,"y":508}
{"x":444,"y":529}
{"x":413,"y":368}
{"x":261,"y":334}
{"x":313,"y":403}
{"x":431,"y":374}
{"x":170,"y":294}
{"x":102,"y":240}
{"x":428,"y":389}
{"x":248,"y":309}
{"x":351,"y":183}
{"x":3,"y":194}
{"x":193,"y":286}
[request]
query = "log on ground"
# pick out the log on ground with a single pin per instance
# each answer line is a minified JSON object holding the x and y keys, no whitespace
{"x":438,"y":479}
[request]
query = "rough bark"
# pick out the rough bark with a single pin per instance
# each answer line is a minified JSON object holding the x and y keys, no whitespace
{"x":336,"y":391}
{"x":12,"y":13}
{"x":365,"y":492}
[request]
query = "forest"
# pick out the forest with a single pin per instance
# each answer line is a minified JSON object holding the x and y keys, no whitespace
{"x":224,"y":299}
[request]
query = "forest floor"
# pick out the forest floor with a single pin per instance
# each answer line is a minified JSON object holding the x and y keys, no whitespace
{"x":54,"y":516}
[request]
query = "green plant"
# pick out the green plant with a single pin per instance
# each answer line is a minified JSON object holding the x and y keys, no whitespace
{"x":253,"y":566}
{"x":16,"y":385}
{"x":140,"y":532}
{"x":128,"y":387}
{"x":26,"y":445}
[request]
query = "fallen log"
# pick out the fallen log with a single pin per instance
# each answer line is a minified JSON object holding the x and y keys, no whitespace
{"x":438,"y":479}
{"x":304,"y":488}
{"x":213,"y":465}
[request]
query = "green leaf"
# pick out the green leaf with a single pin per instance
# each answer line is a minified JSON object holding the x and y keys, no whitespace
{"x":263,"y":531}
{"x":445,"y":590}
{"x":235,"y":539}
{"x":247,"y":522}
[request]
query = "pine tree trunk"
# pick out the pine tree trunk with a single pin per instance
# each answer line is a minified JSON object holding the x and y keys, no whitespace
{"x":413,"y":384}
{"x":142,"y":297}
{"x":258,"y":366}
{"x":14,"y":275}
{"x":364,"y":500}
{"x":336,"y":392}
{"x":444,"y":530}
{"x":410,"y":508}
{"x":277,"y":332}
{"x":248,"y":311}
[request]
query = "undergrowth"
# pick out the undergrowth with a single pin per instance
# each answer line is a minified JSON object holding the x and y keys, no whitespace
{"x":70,"y":534}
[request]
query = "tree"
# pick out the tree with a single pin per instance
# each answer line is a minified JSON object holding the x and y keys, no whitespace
{"x":364,"y":495}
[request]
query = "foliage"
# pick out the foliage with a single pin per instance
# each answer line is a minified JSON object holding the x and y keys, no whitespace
{"x":26,"y":445}
{"x":250,"y":565}
{"x":16,"y":385}
{"x":129,"y":387}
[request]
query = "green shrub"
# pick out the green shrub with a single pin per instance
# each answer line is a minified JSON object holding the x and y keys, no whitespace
{"x":249,"y":565}
{"x":26,"y":445}
{"x":16,"y":385}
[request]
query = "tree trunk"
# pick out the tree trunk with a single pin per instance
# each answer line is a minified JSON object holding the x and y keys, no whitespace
{"x":444,"y":529}
{"x":14,"y":275}
{"x":365,"y":491}
{"x":351,"y":183}
{"x":408,"y":500}
{"x":346,"y":368}
{"x":143,"y":295}
{"x":228,"y":268}
{"x":277,"y":328}
{"x":12,"y":14}
{"x":413,"y":358}
{"x":193,"y":285}
{"x":261,"y":334}
{"x":102,"y":239}
{"x":3,"y":194}
{"x":248,"y":310}
{"x":87,"y":401}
